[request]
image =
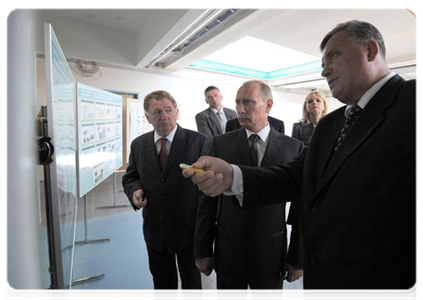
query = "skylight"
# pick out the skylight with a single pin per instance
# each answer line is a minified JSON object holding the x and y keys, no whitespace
{"x":253,"y":57}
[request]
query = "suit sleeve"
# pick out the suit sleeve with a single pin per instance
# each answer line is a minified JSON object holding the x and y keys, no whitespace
{"x":205,"y":223}
{"x":202,"y":125}
{"x":131,"y":180}
{"x":264,"y":185}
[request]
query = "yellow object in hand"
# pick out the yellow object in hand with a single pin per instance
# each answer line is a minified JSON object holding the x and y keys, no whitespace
{"x":185,"y":166}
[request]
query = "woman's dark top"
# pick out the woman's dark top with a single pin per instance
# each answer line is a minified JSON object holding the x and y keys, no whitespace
{"x":302,"y":133}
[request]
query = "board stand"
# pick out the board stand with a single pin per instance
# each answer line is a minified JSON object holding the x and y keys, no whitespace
{"x":114,"y":197}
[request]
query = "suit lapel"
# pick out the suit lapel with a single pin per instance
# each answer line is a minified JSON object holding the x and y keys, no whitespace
{"x":150,"y":151}
{"x":367,"y":122}
{"x":178,"y":147}
{"x":242,"y":153}
{"x":273,"y":148}
{"x":214,"y":119}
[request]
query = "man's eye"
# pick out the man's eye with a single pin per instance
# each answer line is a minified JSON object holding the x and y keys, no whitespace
{"x":333,"y":56}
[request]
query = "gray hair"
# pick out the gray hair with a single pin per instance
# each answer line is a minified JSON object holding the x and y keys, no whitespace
{"x":265,"y":91}
{"x":359,"y":32}
{"x":157,"y":95}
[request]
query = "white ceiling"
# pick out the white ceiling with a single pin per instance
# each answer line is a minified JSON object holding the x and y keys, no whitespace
{"x":134,"y":38}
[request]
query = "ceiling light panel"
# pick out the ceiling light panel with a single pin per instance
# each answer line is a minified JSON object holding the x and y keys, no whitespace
{"x":256,"y":54}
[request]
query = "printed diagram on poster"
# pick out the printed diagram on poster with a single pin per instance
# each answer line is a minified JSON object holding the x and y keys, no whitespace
{"x":137,"y":122}
{"x":100,"y":138}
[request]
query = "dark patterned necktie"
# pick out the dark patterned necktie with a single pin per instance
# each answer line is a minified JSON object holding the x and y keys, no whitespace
{"x":253,"y":148}
{"x":352,"y":116}
{"x":163,"y":153}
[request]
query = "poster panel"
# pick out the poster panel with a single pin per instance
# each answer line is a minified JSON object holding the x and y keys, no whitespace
{"x":99,"y":136}
{"x":137,"y":122}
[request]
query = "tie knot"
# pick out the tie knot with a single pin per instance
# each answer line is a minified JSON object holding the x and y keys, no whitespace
{"x":354,"y":111}
{"x":162,"y":142}
{"x":253,"y":138}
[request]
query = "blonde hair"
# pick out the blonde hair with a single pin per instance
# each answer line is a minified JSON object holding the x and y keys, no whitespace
{"x":306,"y":120}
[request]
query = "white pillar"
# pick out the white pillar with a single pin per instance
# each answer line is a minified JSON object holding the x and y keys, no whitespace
{"x":25,"y":250}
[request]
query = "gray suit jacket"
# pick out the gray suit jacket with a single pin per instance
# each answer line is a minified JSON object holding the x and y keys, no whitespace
{"x":208,"y":123}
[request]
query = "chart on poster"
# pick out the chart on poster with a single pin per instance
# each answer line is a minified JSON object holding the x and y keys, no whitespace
{"x":99,"y":136}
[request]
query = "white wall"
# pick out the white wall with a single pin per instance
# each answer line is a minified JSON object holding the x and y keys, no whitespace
{"x":186,"y":86}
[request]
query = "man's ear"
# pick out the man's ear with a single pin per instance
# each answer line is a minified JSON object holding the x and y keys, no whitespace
{"x":372,"y":49}
{"x":148,"y":119}
{"x":269,"y":105}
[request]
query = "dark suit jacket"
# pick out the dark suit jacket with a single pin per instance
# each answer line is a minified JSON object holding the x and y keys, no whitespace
{"x":277,"y":124}
{"x":172,"y":199}
{"x":256,"y":235}
{"x":358,"y":206}
{"x":208,"y":123}
{"x":302,"y":133}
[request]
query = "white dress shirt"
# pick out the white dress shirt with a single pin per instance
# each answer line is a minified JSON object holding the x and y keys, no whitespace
{"x":169,"y":139}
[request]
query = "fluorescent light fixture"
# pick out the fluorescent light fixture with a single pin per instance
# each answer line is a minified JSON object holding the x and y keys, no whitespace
{"x":224,"y":68}
{"x":253,"y":57}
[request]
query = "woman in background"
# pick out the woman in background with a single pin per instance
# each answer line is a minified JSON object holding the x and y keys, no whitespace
{"x":315,"y":106}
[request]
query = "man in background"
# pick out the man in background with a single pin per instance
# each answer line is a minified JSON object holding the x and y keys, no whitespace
{"x":250,"y":245}
{"x":153,"y":182}
{"x":212,"y":121}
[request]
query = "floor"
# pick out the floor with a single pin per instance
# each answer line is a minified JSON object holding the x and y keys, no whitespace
{"x":106,"y":201}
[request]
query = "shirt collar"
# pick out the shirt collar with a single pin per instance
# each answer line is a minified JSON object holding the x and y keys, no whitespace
{"x":169,"y":137}
{"x":215,"y":110}
{"x":365,"y":99}
{"x":263,"y":134}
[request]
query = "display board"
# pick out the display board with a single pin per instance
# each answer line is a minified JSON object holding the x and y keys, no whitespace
{"x":99,"y":136}
{"x":137,"y":123}
{"x":61,"y":105}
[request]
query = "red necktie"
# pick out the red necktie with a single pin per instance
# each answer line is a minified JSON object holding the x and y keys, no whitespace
{"x":163,"y":153}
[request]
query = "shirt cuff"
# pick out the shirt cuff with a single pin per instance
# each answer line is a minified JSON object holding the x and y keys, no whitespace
{"x":237,"y":188}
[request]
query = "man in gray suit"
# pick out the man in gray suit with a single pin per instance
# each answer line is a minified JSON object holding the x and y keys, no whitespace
{"x":250,"y":245}
{"x":212,"y":121}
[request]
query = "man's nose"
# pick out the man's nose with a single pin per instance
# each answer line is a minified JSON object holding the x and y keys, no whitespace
{"x":325,"y":71}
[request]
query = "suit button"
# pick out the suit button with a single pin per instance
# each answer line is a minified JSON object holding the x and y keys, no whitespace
{"x":161,"y":179}
{"x":312,"y":261}
{"x":314,"y":210}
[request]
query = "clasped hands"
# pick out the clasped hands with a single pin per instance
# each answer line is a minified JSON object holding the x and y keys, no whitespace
{"x":216,"y":178}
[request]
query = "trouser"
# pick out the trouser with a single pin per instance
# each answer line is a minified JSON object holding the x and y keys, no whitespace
{"x":164,"y":270}
{"x":239,"y":292}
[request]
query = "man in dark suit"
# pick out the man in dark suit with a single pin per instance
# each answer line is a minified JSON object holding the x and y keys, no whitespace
{"x":276,"y":124}
{"x":153,"y":181}
{"x":212,"y":121}
{"x":357,"y":180}
{"x":250,"y":245}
